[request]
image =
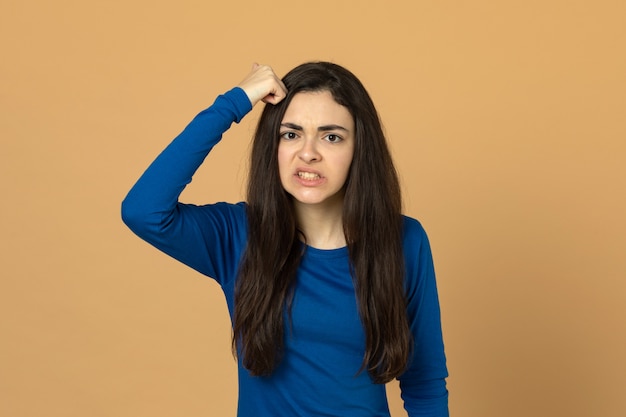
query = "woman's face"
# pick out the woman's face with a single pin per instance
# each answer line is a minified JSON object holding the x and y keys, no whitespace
{"x":316,"y":148}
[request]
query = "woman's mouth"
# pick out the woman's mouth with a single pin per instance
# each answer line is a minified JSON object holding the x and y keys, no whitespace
{"x":309,"y":176}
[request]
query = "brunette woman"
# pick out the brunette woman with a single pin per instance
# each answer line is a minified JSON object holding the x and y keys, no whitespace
{"x":331,"y":290}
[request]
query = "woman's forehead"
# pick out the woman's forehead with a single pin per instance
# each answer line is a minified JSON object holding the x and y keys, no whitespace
{"x":317,"y":107}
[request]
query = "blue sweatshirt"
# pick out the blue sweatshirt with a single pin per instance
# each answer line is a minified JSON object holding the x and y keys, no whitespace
{"x":318,"y":374}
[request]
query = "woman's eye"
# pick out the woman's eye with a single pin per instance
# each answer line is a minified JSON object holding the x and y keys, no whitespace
{"x":332,"y":138}
{"x":288,"y":135}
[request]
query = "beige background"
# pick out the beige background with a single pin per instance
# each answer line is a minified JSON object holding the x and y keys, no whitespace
{"x":507,"y":120}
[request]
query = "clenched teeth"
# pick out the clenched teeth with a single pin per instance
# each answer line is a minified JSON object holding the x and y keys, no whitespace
{"x":308,"y":176}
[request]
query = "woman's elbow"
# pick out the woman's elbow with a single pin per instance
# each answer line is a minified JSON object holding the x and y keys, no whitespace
{"x":132,"y":215}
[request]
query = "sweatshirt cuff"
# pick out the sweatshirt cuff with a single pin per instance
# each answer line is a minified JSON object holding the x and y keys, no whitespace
{"x":240,"y":101}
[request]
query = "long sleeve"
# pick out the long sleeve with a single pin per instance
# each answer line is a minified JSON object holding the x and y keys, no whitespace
{"x":423,"y":385}
{"x":203,"y":237}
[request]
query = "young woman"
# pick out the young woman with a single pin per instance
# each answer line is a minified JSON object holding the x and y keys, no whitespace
{"x":331,"y":290}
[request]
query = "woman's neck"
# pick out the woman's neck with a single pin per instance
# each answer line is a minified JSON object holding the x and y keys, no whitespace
{"x":321,"y":224}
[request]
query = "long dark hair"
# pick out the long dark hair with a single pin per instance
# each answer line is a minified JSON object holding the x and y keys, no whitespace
{"x":372,"y":226}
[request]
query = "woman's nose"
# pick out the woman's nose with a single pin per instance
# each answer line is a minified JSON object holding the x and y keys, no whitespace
{"x":308,"y":152}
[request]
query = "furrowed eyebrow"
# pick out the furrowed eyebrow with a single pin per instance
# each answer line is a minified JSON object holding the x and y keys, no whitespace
{"x":292,"y":126}
{"x":324,"y":128}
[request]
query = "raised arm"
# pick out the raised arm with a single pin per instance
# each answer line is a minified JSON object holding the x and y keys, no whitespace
{"x":152,"y":210}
